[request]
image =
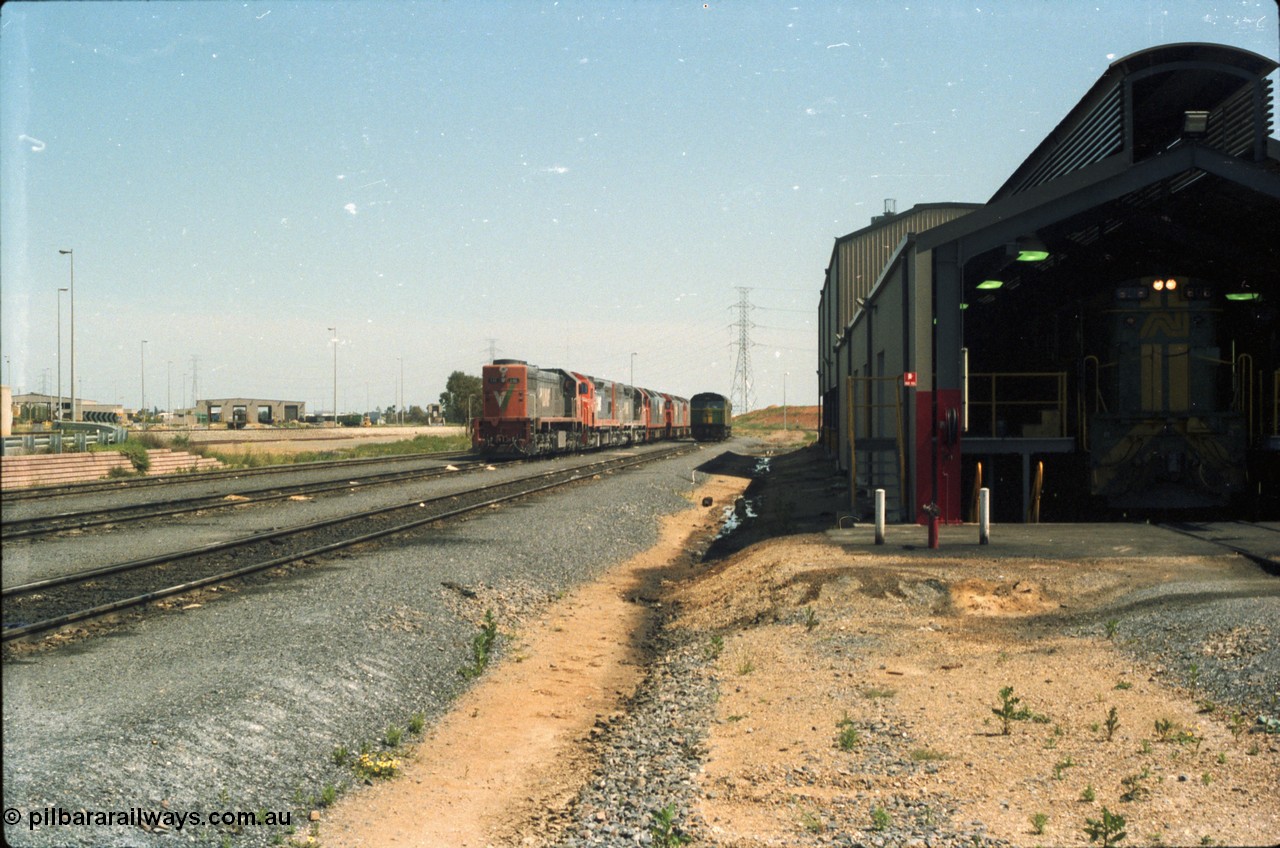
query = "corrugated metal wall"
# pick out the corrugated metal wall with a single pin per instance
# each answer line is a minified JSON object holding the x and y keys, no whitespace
{"x":858,"y":260}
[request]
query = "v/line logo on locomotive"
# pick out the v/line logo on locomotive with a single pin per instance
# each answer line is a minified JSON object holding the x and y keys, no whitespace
{"x":529,"y":411}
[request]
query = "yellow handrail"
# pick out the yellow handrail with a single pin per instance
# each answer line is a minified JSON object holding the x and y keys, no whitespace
{"x":1057,"y":403}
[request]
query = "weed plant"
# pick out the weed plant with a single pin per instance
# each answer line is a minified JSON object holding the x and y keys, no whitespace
{"x":1009,"y":711}
{"x":1113,"y":721}
{"x":1135,"y":787}
{"x":664,"y":830}
{"x":1108,"y":830}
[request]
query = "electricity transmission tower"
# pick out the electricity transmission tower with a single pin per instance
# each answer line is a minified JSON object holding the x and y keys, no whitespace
{"x":741,"y":394}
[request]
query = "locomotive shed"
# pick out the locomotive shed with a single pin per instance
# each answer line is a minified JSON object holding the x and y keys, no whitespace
{"x":1063,"y":363}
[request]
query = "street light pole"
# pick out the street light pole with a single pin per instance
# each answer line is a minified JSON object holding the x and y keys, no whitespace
{"x":784,"y":401}
{"x":168,"y":390}
{"x":142,"y":372}
{"x":71,"y":253}
{"x":334,"y":342}
{"x":60,"y":291}
{"x":400,"y":402}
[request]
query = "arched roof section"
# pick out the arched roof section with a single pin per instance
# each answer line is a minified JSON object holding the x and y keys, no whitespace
{"x":1138,"y":108}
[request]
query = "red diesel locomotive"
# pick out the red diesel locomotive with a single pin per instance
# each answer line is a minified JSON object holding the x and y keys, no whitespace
{"x":529,"y":410}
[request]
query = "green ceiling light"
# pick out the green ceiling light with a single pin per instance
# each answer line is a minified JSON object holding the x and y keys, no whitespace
{"x":1031,"y":249}
{"x":988,"y":285}
{"x":1243,"y":296}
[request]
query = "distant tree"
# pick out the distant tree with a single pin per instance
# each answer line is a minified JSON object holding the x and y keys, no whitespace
{"x":461,"y":397}
{"x":416,"y":415}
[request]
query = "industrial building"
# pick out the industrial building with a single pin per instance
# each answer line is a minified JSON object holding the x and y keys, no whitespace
{"x":1102,"y":333}
{"x":38,"y":407}
{"x":240,"y":412}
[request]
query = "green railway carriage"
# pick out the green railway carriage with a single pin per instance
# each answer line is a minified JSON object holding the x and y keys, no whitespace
{"x":712,"y":417}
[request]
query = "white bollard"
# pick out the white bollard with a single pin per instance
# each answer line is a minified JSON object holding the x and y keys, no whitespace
{"x":984,"y":516}
{"x":879,"y":516}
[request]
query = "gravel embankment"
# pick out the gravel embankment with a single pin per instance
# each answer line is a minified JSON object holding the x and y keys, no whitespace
{"x":650,"y":759}
{"x":240,"y":703}
{"x":646,"y":784}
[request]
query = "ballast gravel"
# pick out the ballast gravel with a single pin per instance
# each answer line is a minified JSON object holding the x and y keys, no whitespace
{"x":241,"y":703}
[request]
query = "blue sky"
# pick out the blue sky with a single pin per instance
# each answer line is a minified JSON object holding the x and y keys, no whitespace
{"x":569,"y":183}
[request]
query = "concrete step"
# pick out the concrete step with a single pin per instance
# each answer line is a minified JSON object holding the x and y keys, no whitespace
{"x":17,"y":472}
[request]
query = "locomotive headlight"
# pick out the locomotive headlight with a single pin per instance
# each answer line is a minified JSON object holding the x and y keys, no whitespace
{"x":1158,"y":285}
{"x":1171,"y":284}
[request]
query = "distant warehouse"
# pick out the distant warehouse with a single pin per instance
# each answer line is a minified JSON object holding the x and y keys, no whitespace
{"x":241,"y":412}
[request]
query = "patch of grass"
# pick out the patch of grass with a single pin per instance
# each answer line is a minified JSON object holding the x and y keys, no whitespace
{"x":1123,"y":685}
{"x":417,"y":721}
{"x":880,"y":819}
{"x":328,"y":795}
{"x":1038,"y":821}
{"x":392,"y":736}
{"x":1061,"y":766}
{"x":1088,"y":795}
{"x":1111,"y":627}
{"x":259,"y":459}
{"x":927,"y":755}
{"x":810,"y":618}
{"x":848,"y":737}
{"x":133,"y":448}
{"x":873,"y":692}
{"x":340,"y":755}
{"x":481,"y":647}
{"x":1168,"y":730}
{"x":746,"y":666}
{"x":812,"y":822}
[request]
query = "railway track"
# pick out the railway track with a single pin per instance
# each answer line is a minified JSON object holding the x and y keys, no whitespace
{"x":35,"y":527}
{"x":1257,"y":542}
{"x":45,"y":605}
{"x":36,"y":493}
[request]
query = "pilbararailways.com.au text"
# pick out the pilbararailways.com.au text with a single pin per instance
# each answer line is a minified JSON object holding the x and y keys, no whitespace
{"x":139,"y":817}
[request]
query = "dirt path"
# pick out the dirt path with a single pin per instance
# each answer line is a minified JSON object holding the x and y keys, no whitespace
{"x":515,"y":750}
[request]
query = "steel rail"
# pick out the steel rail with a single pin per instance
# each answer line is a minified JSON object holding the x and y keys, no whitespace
{"x":574,"y":475}
{"x":117,"y":484}
{"x":1267,"y":563}
{"x":25,"y":528}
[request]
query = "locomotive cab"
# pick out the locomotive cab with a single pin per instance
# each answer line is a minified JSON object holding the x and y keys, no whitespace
{"x":1164,"y":433}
